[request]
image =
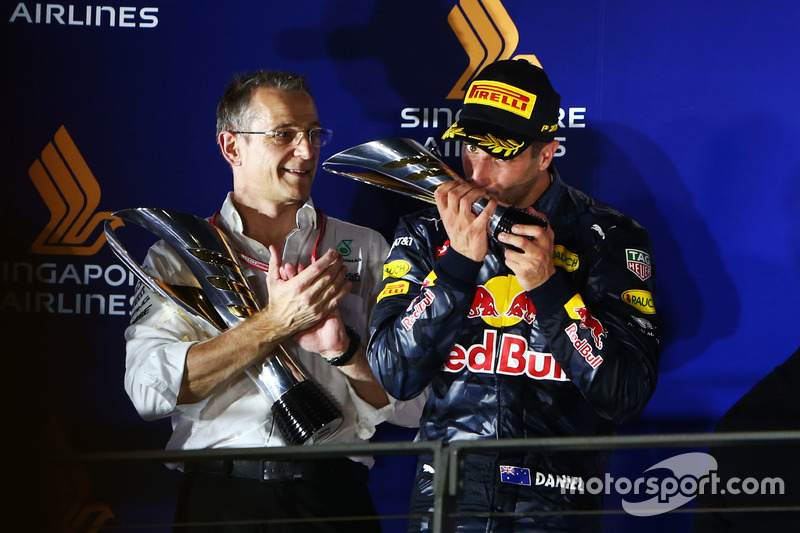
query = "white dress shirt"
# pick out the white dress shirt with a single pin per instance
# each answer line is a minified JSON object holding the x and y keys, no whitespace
{"x":240,"y":415}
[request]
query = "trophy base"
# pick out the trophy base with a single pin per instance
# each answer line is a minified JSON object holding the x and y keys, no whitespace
{"x":305,"y":415}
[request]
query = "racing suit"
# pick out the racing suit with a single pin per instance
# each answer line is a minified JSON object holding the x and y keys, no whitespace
{"x":575,"y":356}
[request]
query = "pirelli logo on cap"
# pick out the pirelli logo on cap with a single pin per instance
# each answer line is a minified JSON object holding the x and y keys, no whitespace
{"x":502,"y":96}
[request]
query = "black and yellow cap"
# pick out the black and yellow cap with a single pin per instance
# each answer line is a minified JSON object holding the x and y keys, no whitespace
{"x":508,"y":105}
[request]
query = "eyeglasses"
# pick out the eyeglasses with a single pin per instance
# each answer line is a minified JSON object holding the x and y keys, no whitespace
{"x":317,"y":136}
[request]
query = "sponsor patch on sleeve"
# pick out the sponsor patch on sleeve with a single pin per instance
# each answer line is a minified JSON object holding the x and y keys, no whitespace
{"x":641,"y":300}
{"x":639,"y":263}
{"x":565,"y":259}
{"x":577,"y":310}
{"x":393,"y":289}
{"x":396,"y":269}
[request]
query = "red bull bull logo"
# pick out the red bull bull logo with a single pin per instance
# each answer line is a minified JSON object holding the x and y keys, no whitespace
{"x":483,"y":305}
{"x":501,"y":301}
{"x":522,"y":307}
{"x":577,"y":310}
{"x":592,"y":324}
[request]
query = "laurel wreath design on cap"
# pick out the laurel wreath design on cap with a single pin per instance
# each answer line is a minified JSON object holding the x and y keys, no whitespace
{"x":488,"y":142}
{"x":452,"y":131}
{"x":495,"y":145}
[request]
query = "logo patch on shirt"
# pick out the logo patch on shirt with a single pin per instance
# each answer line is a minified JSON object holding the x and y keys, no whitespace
{"x":510,"y":357}
{"x":393,"y":289}
{"x":419,"y":308}
{"x":565,"y":259}
{"x":577,"y":310}
{"x":396,"y":269}
{"x":639,"y":263}
{"x":515,"y":475}
{"x":344,"y":247}
{"x":641,"y":300}
{"x":501,"y":301}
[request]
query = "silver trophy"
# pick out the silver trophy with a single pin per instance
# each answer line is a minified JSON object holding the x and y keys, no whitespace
{"x":302,"y":411}
{"x":405,"y":166}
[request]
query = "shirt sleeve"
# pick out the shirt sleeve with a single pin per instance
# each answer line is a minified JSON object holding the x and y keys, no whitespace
{"x":420,"y":311}
{"x":398,"y":412}
{"x":157,"y":341}
{"x":602,"y":327}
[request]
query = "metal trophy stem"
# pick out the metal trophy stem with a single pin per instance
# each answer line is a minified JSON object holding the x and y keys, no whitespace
{"x":303,"y":412}
{"x":406,"y":167}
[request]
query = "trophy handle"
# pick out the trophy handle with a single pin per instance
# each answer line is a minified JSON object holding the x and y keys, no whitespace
{"x":302,"y":411}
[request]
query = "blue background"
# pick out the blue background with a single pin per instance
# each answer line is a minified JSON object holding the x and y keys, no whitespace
{"x":690,"y":126}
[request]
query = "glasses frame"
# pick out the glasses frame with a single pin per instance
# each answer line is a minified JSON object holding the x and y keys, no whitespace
{"x":298,"y":135}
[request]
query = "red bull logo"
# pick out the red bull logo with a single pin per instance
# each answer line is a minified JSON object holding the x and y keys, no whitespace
{"x":510,"y":357}
{"x":483,"y":305}
{"x":501,"y":301}
{"x":592,"y":324}
{"x":522,"y":307}
{"x":577,"y":310}
{"x":418,"y":309}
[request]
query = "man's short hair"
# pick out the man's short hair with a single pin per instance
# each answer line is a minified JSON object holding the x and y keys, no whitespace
{"x":233,"y":110}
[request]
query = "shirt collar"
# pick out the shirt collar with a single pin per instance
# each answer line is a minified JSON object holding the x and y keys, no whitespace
{"x":548,"y":202}
{"x":306,"y":216}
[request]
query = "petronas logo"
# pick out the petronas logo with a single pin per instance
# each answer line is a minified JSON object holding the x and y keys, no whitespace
{"x":344,"y":247}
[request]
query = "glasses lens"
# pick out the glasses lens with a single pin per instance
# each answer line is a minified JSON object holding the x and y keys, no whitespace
{"x":284,"y":137}
{"x":317,"y":137}
{"x":320,"y":136}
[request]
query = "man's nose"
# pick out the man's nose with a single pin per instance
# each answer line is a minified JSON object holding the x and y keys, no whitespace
{"x":303,"y":148}
{"x":481,"y":170}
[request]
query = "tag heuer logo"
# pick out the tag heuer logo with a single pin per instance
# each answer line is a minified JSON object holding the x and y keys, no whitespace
{"x":638,"y":263}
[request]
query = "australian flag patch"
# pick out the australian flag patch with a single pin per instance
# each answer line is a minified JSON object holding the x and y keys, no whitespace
{"x":515,"y":475}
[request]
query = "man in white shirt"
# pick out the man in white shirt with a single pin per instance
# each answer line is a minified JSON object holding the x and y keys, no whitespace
{"x":316,"y":280}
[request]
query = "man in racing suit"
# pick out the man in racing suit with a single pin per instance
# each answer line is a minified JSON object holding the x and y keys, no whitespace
{"x":315,"y":279}
{"x":544,"y":331}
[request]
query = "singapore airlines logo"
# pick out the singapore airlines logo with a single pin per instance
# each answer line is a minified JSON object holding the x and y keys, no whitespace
{"x":487,"y":34}
{"x":72,"y":194}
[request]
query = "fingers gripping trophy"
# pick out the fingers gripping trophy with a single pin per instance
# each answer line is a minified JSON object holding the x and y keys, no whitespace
{"x":303,"y":411}
{"x":406,"y":167}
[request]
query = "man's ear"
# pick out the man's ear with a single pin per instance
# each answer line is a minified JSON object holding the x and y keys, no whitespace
{"x":229,"y":146}
{"x":547,"y":154}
